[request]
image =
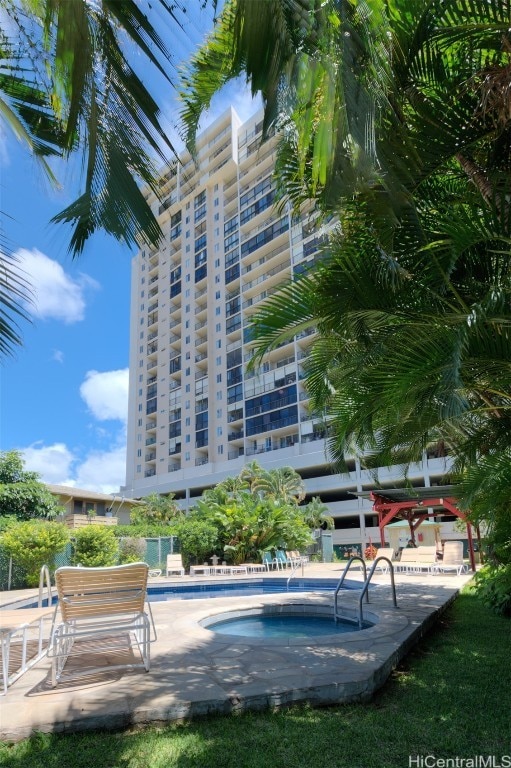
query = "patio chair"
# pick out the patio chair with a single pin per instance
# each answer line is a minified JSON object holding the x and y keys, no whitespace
{"x":417,"y":559}
{"x":175,"y":565}
{"x":282,"y":559}
{"x":269,"y":561}
{"x":452,"y":559}
{"x":102,"y":610}
{"x":383,"y":566}
{"x":24,"y":636}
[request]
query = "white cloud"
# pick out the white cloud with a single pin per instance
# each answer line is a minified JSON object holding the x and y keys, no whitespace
{"x":56,"y":295}
{"x":103,"y":471}
{"x":99,"y":469}
{"x":106,"y":394}
{"x":58,"y":356}
{"x":53,"y":462}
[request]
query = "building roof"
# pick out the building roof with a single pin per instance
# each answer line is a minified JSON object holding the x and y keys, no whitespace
{"x":81,"y":493}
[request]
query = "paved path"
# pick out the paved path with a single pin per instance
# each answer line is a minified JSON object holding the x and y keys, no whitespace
{"x":196,"y":672}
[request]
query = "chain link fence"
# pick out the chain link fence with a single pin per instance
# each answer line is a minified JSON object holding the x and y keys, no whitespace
{"x":12,"y":576}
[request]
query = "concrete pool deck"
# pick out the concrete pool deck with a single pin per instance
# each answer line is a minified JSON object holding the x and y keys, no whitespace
{"x":196,"y":672}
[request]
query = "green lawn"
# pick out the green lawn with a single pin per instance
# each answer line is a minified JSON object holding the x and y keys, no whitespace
{"x":451,"y":697}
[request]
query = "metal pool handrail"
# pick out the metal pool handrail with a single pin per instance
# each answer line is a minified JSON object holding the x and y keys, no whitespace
{"x":365,"y":587}
{"x":341,"y":582}
{"x":295,"y":568}
{"x":44,"y":577}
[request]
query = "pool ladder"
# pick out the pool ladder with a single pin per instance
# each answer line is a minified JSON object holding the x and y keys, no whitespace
{"x":44,"y":576}
{"x":365,"y":586}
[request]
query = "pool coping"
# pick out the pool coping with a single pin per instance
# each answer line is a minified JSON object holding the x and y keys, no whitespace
{"x":196,"y":672}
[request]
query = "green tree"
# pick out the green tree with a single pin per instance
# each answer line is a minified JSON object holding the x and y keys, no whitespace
{"x":69,"y":88}
{"x":283,"y":484}
{"x":94,"y":546}
{"x":255,"y":512}
{"x":156,"y":509}
{"x":315,"y":514}
{"x":21,"y":493}
{"x":198,"y":539}
{"x":34,"y":543}
{"x":397,"y":120}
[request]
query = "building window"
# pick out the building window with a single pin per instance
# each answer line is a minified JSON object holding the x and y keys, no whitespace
{"x":220,"y":449}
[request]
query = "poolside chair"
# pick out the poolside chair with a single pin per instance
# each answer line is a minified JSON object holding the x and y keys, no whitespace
{"x":282,"y":559}
{"x":175,"y":565}
{"x":452,"y":559}
{"x":418,"y":559}
{"x":102,"y":611}
{"x":383,"y":566}
{"x":295,"y":558}
{"x":269,"y":561}
{"x":24,"y":636}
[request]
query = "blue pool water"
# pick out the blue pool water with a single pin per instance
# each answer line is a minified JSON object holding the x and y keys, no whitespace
{"x":203,"y":590}
{"x":284,"y":626}
{"x":206,"y":590}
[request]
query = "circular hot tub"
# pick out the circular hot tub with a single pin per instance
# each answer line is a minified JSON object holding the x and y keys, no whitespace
{"x":291,"y":622}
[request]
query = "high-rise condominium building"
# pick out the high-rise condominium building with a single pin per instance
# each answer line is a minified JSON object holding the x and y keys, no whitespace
{"x":195,"y":414}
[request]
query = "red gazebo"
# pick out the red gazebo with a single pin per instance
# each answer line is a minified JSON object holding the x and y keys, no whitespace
{"x":415,"y":505}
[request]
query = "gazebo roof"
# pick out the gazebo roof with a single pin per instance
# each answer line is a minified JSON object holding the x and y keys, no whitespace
{"x":418,"y":495}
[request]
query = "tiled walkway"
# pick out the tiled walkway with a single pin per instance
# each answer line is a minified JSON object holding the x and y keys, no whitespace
{"x":195,"y":671}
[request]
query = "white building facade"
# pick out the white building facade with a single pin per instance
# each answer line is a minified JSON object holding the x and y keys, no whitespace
{"x":195,"y":414}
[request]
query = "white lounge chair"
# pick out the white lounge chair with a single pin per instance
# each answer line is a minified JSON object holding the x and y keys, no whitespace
{"x":452,"y":559}
{"x":24,"y":636}
{"x":107,"y":607}
{"x":175,"y":565}
{"x":417,"y":559}
{"x":383,"y":566}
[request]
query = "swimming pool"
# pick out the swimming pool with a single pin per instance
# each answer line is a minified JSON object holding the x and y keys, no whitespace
{"x":235,"y":588}
{"x":206,"y":590}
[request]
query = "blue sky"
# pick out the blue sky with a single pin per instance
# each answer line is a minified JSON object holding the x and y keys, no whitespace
{"x":64,"y":394}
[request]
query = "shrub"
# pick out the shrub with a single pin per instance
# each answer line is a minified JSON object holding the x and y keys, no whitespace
{"x":493,"y":585}
{"x":95,"y":545}
{"x":34,"y":543}
{"x":132,"y":550}
{"x":198,"y":539}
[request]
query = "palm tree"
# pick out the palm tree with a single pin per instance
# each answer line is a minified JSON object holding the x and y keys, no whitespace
{"x":282,"y":484}
{"x":368,"y":103}
{"x":315,"y":514}
{"x":68,"y":87}
{"x":412,"y":311}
